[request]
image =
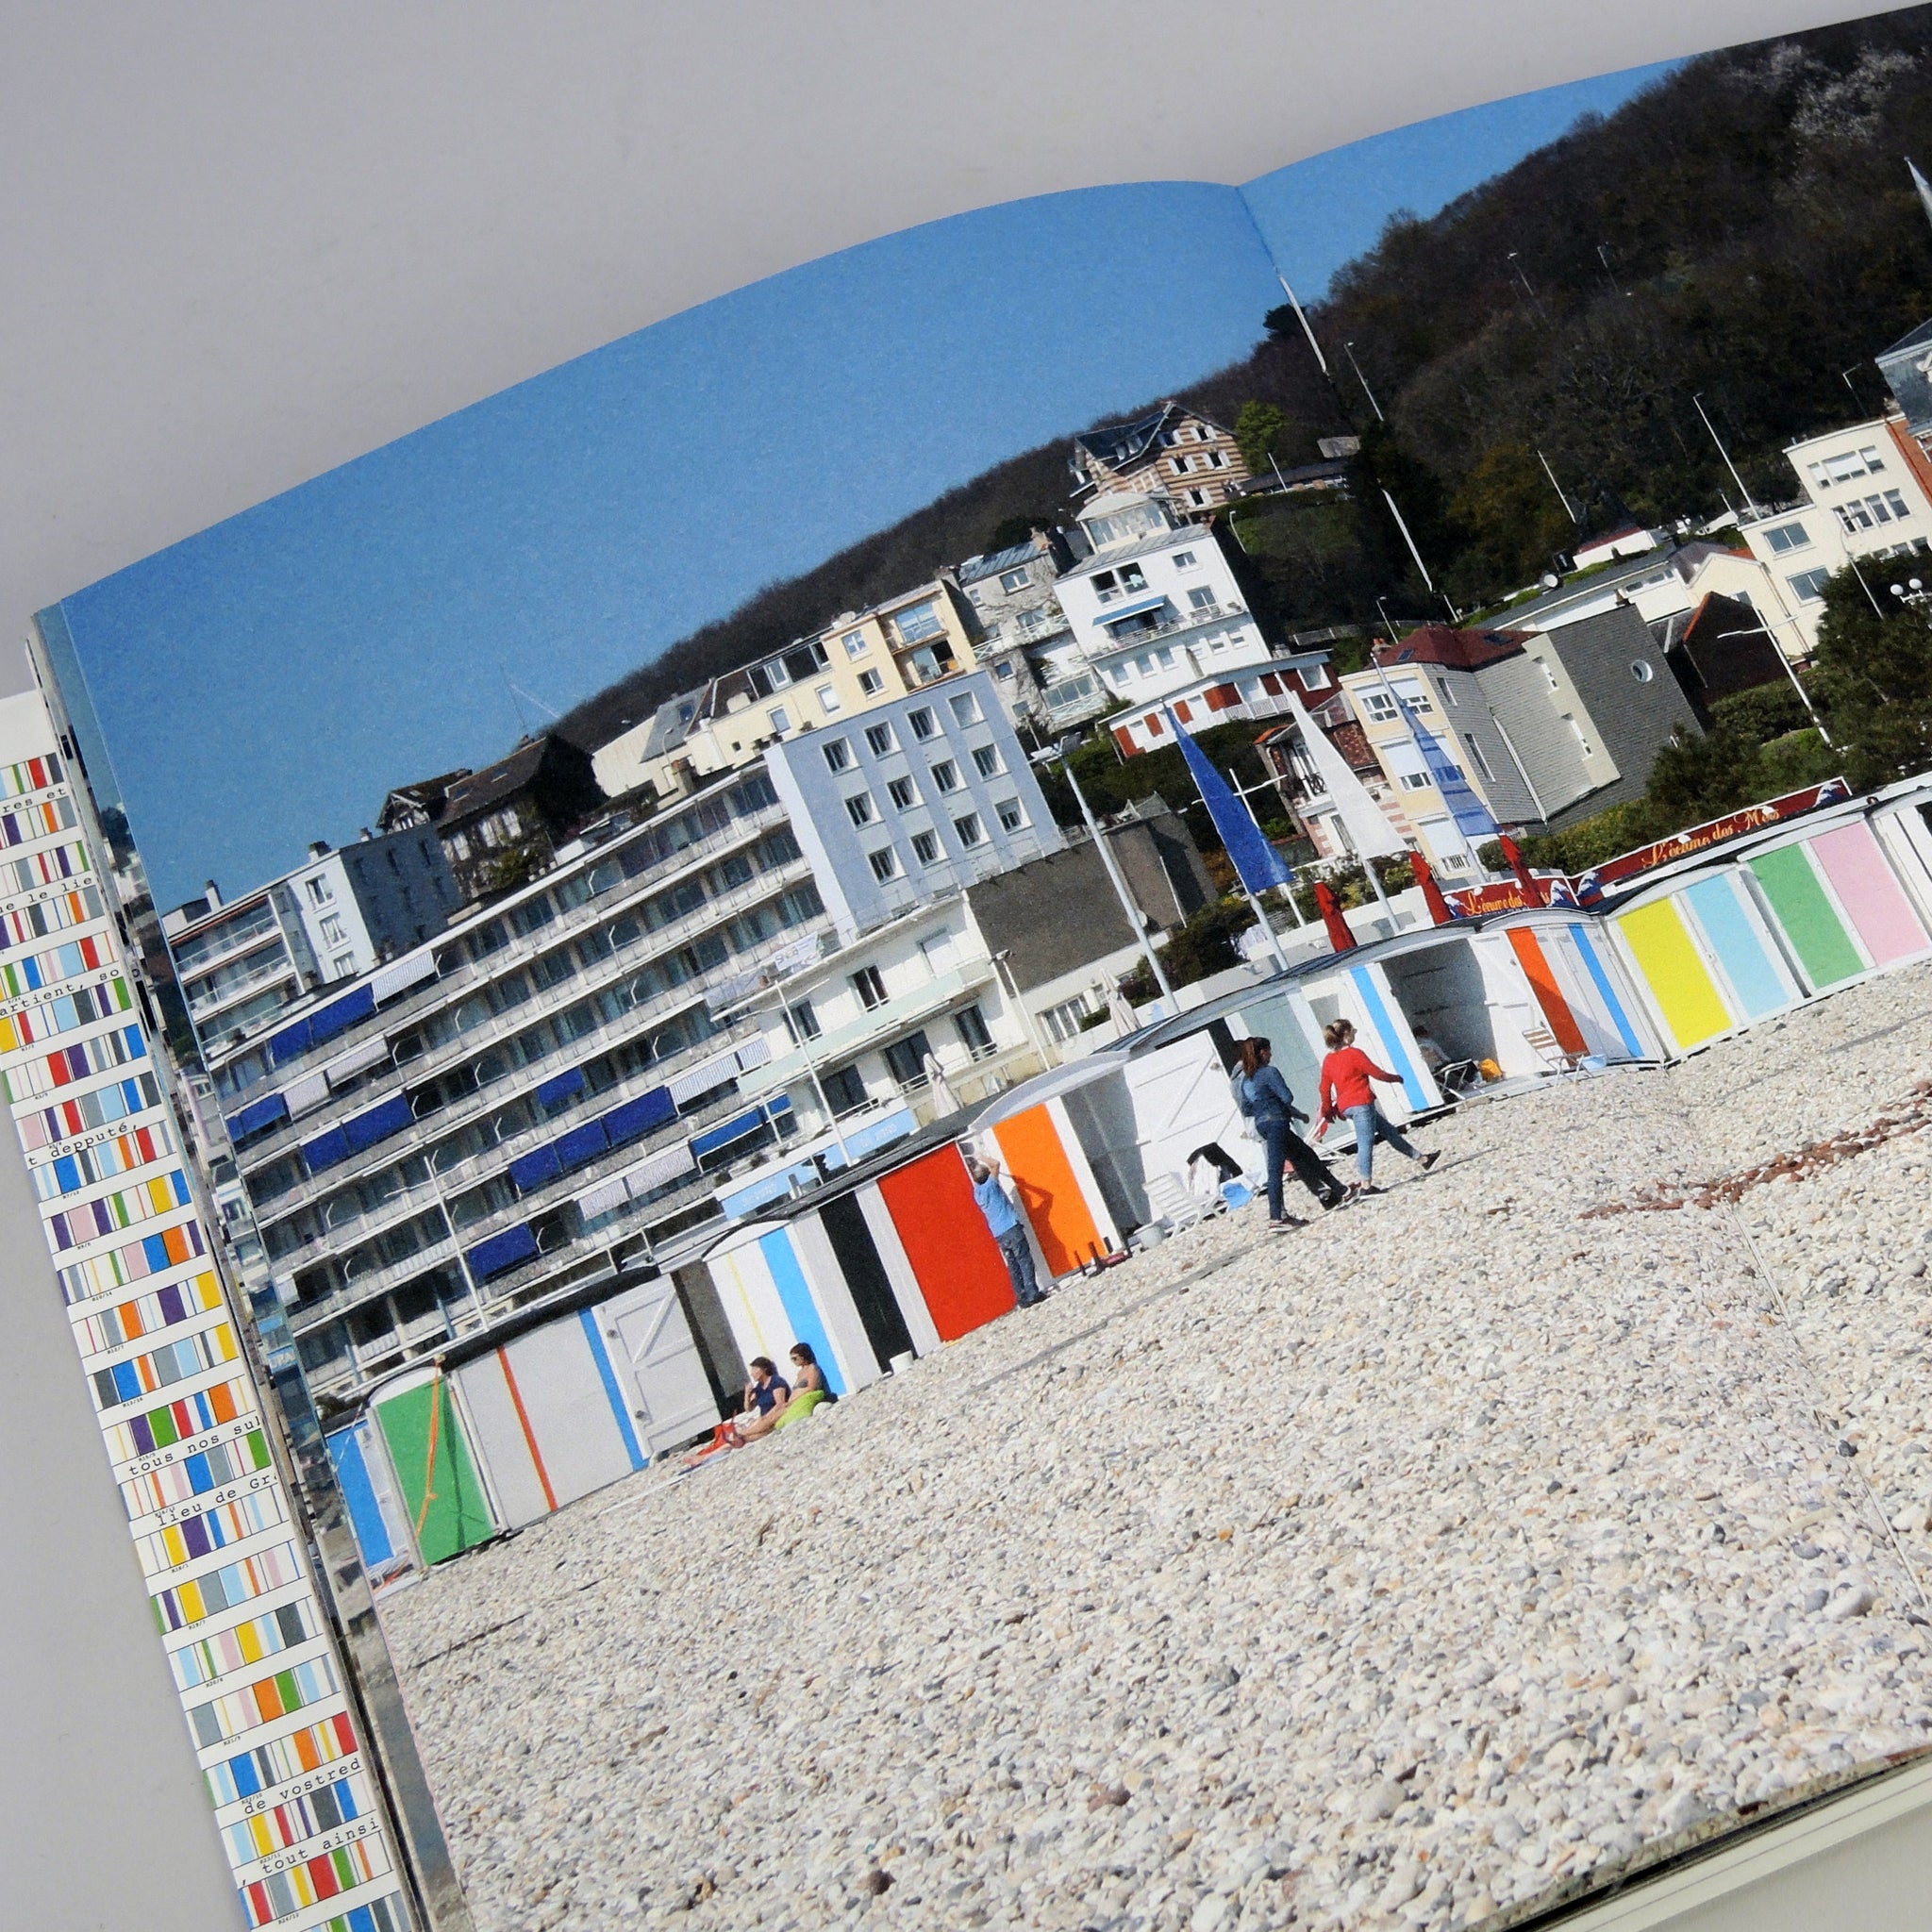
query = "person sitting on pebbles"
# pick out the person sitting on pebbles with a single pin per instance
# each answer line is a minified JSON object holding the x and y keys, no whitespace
{"x":764,"y":1395}
{"x":808,"y":1388}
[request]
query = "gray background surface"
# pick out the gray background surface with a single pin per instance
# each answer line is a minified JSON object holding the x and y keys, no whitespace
{"x":240,"y":245}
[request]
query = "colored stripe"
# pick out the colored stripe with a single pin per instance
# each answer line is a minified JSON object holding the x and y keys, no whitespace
{"x":1756,"y":980}
{"x":1600,"y":974}
{"x":516,"y":1401}
{"x":612,"y":1393}
{"x":795,"y":1292}
{"x":1050,"y":1192}
{"x":1810,"y":921}
{"x":1692,"y":1007}
{"x":1378,"y":1016}
{"x":1869,"y":890}
{"x":1549,"y":995}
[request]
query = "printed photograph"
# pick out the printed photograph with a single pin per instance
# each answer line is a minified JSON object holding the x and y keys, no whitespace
{"x":1074,"y":1075}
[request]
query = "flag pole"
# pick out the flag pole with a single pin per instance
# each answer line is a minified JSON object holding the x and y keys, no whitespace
{"x":1120,"y":885}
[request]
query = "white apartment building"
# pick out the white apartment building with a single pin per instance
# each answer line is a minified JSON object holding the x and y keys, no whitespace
{"x":910,"y":1022}
{"x":1863,"y":502}
{"x":336,"y":915}
{"x":529,"y":1104}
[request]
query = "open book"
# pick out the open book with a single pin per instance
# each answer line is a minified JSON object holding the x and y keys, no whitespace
{"x":508,"y":942}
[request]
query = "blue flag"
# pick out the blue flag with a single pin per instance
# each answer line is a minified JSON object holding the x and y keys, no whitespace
{"x":1258,"y":864}
{"x":1473,"y":817}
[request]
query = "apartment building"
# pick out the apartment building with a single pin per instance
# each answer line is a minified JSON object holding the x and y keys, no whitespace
{"x":1531,"y":728}
{"x":239,"y":963}
{"x":907,"y":1025}
{"x":528,"y":1106}
{"x":1158,"y":619}
{"x":911,"y":800}
{"x":1173,"y":449}
{"x":1018,"y":617}
{"x":860,"y":660}
{"x":1866,"y":501}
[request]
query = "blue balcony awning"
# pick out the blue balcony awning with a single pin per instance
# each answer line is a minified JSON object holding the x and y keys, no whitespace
{"x":1138,"y":608}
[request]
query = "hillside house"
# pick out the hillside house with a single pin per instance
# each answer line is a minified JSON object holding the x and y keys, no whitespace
{"x":1173,"y":449}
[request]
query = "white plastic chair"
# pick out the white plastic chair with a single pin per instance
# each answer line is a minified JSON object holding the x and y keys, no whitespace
{"x":1173,"y":1201}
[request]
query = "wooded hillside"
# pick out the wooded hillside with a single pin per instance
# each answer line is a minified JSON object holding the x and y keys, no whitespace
{"x":1745,"y":230}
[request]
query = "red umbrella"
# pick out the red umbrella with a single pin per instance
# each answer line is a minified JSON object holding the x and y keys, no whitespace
{"x":1339,"y":934}
{"x":1532,"y":891}
{"x":1432,"y":893}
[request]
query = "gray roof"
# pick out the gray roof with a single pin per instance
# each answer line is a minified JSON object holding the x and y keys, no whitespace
{"x":976,"y":569}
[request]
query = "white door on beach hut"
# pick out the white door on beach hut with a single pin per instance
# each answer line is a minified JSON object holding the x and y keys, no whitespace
{"x":660,"y":1377}
{"x":749,"y":1297}
{"x":1591,"y":982}
{"x":1525,"y":1045}
{"x":1182,"y":1100}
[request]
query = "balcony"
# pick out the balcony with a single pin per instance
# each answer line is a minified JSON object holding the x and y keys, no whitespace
{"x":522,"y":948}
{"x":623,"y":962}
{"x":1159,"y":627}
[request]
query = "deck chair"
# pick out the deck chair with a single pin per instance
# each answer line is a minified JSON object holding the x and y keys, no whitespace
{"x":1171,"y":1199}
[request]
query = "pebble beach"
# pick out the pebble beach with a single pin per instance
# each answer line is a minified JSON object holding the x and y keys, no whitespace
{"x":1444,"y":1557}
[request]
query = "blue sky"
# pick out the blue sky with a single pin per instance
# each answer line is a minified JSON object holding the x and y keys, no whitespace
{"x":1324,"y":211}
{"x":265,"y":682}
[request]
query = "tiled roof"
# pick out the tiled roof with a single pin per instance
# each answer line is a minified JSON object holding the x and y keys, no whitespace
{"x":495,"y":783}
{"x":1461,"y":650}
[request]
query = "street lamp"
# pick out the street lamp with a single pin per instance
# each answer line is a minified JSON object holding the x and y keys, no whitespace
{"x":1697,"y":403}
{"x":1348,"y":350}
{"x":1135,"y":923}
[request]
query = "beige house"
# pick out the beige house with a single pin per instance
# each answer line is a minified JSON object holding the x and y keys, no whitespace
{"x":1173,"y":449}
{"x":861,"y":660}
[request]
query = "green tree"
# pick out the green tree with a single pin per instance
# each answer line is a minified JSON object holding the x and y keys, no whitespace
{"x":1512,"y":518}
{"x":1874,"y":675}
{"x":1258,"y":429}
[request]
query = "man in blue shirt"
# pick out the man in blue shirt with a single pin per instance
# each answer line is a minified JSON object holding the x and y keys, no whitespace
{"x":1004,"y":1222}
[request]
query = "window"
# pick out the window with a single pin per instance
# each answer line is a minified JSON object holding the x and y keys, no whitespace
{"x":332,"y":933}
{"x":921,"y":723}
{"x":1216,"y":461}
{"x":1784,"y":536}
{"x":1015,"y":579}
{"x":870,"y":987}
{"x":879,"y":736}
{"x":854,"y":644}
{"x":1197,"y":499}
{"x":945,"y":775}
{"x":1846,"y":466}
{"x":986,"y":759}
{"x":925,"y":847}
{"x":872,"y":682}
{"x":859,"y":809}
{"x":1065,"y":1020}
{"x":1003,"y":669}
{"x":1475,"y":751}
{"x":905,"y":1059}
{"x":1576,"y":730}
{"x":802,"y":1022}
{"x":321,"y":891}
{"x":781,"y":719}
{"x":774,"y":674}
{"x":829,"y":701}
{"x":1378,"y":705}
{"x":902,"y":793}
{"x":1549,"y":675}
{"x":918,"y":622}
{"x":1184,"y":559}
{"x":839,"y":754}
{"x":974,"y":1031}
{"x":970,"y":830}
{"x":1640,"y":670}
{"x":1416,"y":781}
{"x":845,"y":1090}
{"x":341,"y":965}
{"x":1315,"y":678}
{"x":1201,"y":599}
{"x":966,"y":709}
{"x":1809,"y":584}
{"x":1010,"y":815}
{"x":884,"y":864}
{"x":1416,"y":701}
{"x":1451,"y":862}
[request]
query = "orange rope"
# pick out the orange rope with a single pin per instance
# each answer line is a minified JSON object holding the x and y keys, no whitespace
{"x":435,"y":1438}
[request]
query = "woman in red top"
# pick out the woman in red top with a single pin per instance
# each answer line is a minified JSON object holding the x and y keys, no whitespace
{"x":1346,"y":1074}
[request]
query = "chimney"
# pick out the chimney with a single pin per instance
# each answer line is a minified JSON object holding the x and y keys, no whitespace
{"x":318,"y":848}
{"x":214,"y":895}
